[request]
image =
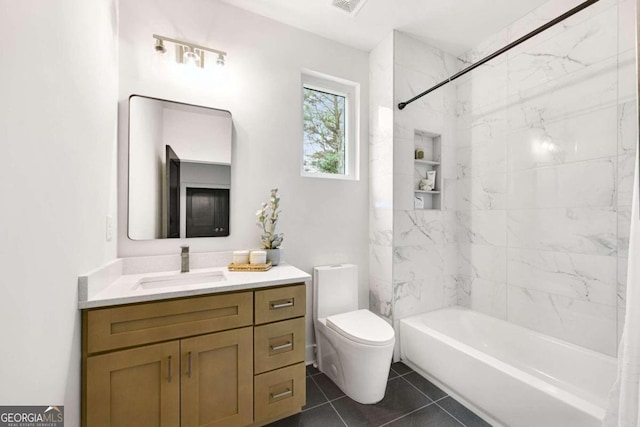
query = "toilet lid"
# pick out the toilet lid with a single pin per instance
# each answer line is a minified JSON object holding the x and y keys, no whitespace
{"x":362,"y":326}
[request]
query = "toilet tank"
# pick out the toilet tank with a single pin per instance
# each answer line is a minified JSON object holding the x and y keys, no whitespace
{"x":335,"y":290}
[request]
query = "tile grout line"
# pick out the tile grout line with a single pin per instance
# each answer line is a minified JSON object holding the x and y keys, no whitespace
{"x":442,"y":398}
{"x":314,"y":407}
{"x":402,"y":375}
{"x":407,"y":414}
{"x":320,"y":388}
{"x":453,"y":415}
{"x":338,"y":413}
{"x":329,"y":401}
{"x":402,"y":416}
{"x":432,"y":402}
{"x":424,"y":394}
{"x":309,"y":377}
{"x":450,"y":414}
{"x":324,"y":394}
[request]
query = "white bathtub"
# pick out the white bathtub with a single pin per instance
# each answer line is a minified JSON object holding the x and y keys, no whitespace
{"x":509,"y":375}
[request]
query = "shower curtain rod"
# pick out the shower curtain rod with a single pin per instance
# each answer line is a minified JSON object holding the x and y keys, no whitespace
{"x":503,"y":50}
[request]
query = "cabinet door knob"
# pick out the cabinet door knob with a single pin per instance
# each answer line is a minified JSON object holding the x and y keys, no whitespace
{"x":169,"y":369}
{"x":281,"y":346}
{"x":282,"y":305}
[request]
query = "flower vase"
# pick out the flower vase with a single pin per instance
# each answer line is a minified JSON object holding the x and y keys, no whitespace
{"x":273,"y":255}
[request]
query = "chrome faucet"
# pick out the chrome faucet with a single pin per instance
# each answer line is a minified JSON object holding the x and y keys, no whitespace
{"x":184,"y":255}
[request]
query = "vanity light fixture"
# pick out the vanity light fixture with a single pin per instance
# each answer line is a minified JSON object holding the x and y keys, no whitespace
{"x":188,"y":53}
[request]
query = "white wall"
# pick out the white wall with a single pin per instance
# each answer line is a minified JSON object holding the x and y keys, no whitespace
{"x":324,"y":221}
{"x":58,"y":80}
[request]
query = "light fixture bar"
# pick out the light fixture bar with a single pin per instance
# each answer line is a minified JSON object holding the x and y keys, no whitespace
{"x":187,"y":44}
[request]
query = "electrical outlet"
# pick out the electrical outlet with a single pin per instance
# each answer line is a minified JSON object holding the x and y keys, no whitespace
{"x":109,"y":228}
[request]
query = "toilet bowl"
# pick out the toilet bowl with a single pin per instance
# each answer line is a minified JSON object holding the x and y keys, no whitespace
{"x":354,"y":347}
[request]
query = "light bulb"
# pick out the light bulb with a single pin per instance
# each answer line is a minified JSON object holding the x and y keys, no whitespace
{"x":191,"y":58}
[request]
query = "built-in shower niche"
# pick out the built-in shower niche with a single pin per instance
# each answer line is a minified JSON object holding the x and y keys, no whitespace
{"x":427,"y":157}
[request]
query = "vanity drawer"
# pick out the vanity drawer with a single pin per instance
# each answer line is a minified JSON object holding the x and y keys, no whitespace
{"x":280,"y":303}
{"x":278,"y":344}
{"x":132,"y":325}
{"x":279,"y":393}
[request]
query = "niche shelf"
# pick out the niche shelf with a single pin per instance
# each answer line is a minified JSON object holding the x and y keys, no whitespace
{"x":426,"y":162}
{"x":430,"y":144}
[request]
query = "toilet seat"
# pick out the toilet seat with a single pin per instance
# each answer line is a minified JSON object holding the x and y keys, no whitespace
{"x":362,"y":326}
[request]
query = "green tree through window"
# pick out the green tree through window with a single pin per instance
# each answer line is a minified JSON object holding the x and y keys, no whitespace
{"x":324,"y":132}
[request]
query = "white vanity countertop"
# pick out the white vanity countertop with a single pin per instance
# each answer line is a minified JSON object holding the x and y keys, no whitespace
{"x":124,"y":289}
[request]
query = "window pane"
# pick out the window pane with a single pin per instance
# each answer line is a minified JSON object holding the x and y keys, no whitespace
{"x":324,"y":132}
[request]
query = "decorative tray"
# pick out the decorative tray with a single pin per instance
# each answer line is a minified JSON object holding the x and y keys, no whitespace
{"x":249,"y":267}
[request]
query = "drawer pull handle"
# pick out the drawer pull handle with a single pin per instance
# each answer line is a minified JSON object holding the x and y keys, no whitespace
{"x":282,"y":305}
{"x":189,"y":364}
{"x":279,"y":395}
{"x":169,"y":369}
{"x":281,"y":346}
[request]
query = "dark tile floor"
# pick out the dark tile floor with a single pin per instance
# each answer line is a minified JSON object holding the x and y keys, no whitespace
{"x":410,"y":400}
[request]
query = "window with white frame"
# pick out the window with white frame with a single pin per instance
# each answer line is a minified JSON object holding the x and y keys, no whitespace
{"x":329,"y":122}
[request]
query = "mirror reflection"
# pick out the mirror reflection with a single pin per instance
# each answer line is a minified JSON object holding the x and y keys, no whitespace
{"x":179,"y":170}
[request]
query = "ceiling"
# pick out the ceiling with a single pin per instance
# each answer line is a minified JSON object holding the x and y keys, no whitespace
{"x":454,"y":26}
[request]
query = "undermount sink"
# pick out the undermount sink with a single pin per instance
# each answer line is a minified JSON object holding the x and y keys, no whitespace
{"x":178,"y":279}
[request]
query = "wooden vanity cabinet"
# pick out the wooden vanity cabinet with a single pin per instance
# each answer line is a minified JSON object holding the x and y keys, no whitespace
{"x":216,"y":382}
{"x":139,"y":386}
{"x":279,"y":350}
{"x":190,"y":361}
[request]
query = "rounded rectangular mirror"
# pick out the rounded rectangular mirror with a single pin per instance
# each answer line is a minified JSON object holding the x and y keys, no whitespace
{"x":179,"y":170}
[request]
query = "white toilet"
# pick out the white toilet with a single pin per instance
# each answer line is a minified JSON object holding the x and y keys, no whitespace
{"x":354,"y":347}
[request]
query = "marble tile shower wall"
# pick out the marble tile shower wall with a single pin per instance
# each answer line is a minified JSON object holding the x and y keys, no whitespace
{"x":412,"y":252}
{"x":424,"y":248}
{"x":545,"y":149}
{"x":381,"y":178}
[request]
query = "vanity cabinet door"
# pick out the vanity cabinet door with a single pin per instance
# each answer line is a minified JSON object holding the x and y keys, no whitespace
{"x":136,"y":387}
{"x":217,"y":379}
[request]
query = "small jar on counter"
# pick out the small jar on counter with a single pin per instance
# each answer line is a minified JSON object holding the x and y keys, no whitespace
{"x":240,"y":257}
{"x":258,"y":257}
